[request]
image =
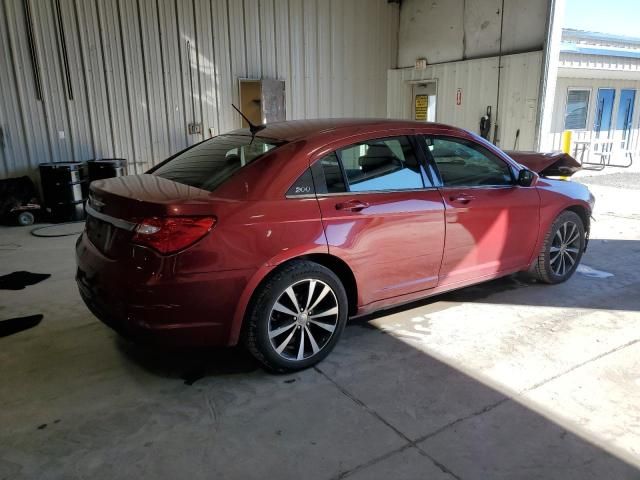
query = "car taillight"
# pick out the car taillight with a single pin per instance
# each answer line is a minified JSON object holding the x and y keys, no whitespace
{"x":171,"y":234}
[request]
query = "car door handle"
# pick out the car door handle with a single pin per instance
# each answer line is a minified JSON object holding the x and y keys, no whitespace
{"x":461,"y":198}
{"x":352,"y":205}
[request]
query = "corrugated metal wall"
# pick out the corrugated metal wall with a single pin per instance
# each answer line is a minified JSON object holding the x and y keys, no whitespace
{"x":478,"y":82}
{"x":128,"y":93}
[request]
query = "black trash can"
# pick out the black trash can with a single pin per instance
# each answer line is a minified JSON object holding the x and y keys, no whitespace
{"x":64,"y":190}
{"x":106,"y":168}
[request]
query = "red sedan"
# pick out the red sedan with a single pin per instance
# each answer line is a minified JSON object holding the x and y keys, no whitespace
{"x":274,"y":239}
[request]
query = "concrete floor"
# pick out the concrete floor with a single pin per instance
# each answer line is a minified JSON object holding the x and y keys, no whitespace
{"x":506,"y":380}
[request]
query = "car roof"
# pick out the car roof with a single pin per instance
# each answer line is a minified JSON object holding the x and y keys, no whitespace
{"x":293,"y":130}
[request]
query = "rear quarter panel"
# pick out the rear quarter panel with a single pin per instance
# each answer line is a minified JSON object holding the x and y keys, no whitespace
{"x":257,"y":227}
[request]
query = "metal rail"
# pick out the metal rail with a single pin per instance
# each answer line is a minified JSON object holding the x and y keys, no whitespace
{"x":583,"y":149}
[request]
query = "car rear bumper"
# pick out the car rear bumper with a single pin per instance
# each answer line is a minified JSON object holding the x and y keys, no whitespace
{"x":143,"y":298}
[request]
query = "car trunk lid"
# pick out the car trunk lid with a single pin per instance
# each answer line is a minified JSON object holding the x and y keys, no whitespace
{"x":117,"y":205}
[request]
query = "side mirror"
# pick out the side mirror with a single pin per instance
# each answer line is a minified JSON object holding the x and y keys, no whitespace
{"x":526,"y":178}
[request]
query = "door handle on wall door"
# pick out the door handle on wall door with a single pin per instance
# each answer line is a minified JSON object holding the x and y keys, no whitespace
{"x":352,"y":205}
{"x":461,"y":198}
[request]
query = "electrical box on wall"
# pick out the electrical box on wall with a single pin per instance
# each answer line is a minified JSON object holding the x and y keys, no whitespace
{"x":195,"y":128}
{"x":262,"y":101}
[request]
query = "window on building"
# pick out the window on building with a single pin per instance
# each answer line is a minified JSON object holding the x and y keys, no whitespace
{"x":575,"y":117}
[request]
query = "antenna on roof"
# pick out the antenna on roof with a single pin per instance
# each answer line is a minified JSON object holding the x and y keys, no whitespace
{"x":252,"y":127}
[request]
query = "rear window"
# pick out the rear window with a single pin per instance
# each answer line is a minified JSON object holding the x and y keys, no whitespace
{"x":209,"y":164}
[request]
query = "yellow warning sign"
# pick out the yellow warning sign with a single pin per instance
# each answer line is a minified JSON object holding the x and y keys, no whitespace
{"x":421,"y":108}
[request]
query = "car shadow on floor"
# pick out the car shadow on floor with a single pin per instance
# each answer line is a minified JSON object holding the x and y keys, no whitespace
{"x":425,"y":418}
{"x":579,"y":292}
{"x":189,"y":365}
{"x":192,"y":365}
{"x":465,"y":422}
{"x":607,"y":276}
{"x":451,"y":422}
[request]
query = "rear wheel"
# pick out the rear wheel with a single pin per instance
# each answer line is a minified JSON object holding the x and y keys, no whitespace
{"x":297,"y":317}
{"x":562,"y":249}
{"x":25,"y":218}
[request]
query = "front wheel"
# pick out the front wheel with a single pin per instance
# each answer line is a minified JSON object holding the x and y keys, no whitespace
{"x":562,"y":249}
{"x":297,"y":317}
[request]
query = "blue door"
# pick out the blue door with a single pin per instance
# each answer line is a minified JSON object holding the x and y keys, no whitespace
{"x":625,"y":116}
{"x":604,"y":111}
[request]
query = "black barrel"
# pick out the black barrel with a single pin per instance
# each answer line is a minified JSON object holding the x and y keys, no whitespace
{"x":106,"y":168}
{"x":64,"y":189}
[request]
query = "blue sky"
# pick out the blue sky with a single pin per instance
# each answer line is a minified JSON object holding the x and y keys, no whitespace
{"x":621,"y":17}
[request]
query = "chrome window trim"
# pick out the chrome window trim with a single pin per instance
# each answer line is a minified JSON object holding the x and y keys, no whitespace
{"x":476,"y":187}
{"x":428,"y":189}
{"x":116,"y":222}
{"x":304,"y":195}
{"x":373,"y":192}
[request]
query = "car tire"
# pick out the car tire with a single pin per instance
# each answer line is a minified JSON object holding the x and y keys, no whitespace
{"x":562,"y":249}
{"x":25,"y":219}
{"x":296,"y":317}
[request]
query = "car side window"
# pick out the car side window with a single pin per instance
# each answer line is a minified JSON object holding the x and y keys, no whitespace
{"x":333,"y":178}
{"x":462,"y":163}
{"x":381,"y":164}
{"x":302,"y":186}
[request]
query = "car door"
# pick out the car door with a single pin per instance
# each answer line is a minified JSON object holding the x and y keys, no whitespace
{"x":491,"y":222}
{"x":382,"y":215}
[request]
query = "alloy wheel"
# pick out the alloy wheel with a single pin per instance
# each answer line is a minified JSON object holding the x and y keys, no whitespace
{"x":303,"y":319}
{"x":565,"y":248}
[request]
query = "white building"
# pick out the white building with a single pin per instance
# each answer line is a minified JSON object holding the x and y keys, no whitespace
{"x":596,"y":96}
